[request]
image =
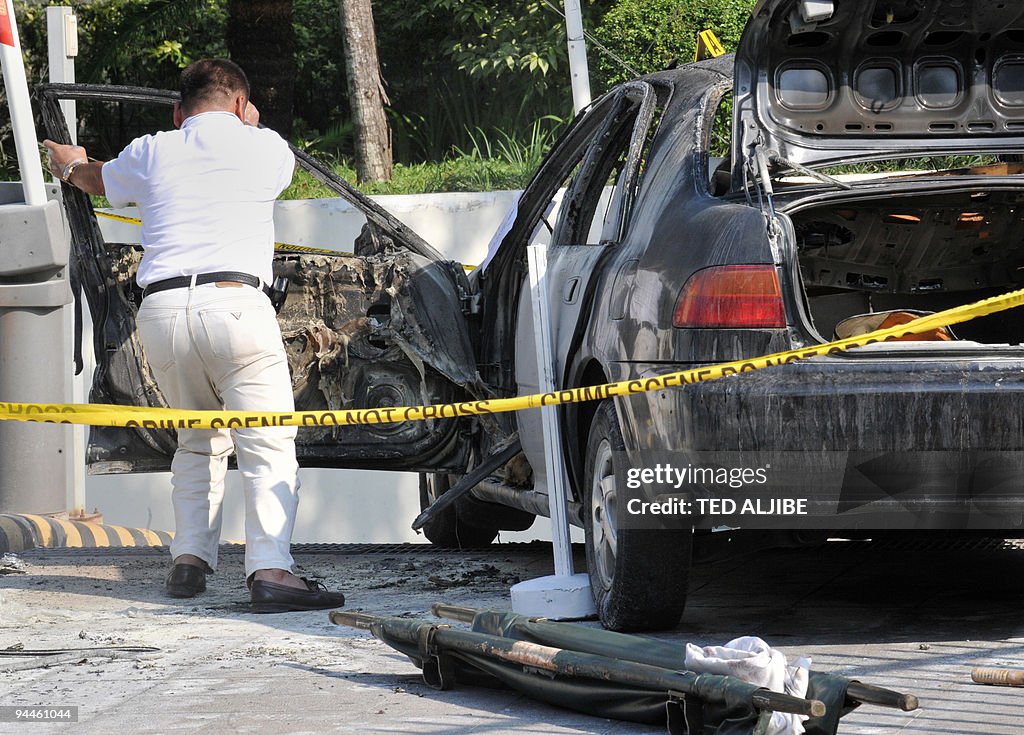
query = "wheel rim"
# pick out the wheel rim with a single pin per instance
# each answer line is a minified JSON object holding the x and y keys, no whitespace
{"x":603,"y":523}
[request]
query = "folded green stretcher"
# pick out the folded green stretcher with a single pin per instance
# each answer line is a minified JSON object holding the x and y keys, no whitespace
{"x":608,"y":674}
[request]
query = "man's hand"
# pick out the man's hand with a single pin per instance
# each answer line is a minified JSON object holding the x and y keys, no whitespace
{"x":252,"y":115}
{"x":60,"y":156}
{"x":73,"y":160}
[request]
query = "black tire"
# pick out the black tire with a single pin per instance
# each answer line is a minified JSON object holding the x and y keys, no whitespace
{"x":639,"y":576}
{"x":448,"y":530}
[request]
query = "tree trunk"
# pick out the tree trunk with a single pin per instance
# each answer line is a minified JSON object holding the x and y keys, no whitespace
{"x":261,"y":39}
{"x":366,"y":92}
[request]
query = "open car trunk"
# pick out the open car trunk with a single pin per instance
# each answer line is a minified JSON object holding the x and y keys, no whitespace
{"x":910,"y":114}
{"x":922,"y":250}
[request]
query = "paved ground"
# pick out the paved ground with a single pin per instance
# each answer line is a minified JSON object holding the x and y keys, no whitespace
{"x":913,"y":617}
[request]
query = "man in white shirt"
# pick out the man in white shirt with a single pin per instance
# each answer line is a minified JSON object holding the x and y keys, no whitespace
{"x":206,"y":194}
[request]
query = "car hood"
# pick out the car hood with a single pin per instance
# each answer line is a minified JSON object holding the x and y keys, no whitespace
{"x":827,"y":81}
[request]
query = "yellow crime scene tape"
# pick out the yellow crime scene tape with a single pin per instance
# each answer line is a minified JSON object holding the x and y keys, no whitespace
{"x":277,"y":245}
{"x":170,"y":418}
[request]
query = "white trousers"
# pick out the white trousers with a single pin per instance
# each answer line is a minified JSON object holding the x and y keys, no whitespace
{"x":214,"y":347}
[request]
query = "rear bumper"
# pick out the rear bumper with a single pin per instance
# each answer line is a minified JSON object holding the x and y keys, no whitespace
{"x":869,"y":441}
{"x":910,"y":402}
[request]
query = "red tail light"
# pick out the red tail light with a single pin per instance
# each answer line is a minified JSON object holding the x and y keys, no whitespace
{"x":731,"y":296}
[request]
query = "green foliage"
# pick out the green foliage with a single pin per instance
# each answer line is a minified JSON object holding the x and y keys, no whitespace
{"x":494,"y":39}
{"x":132,"y":42}
{"x":483,"y":78}
{"x":526,"y":153}
{"x":721,"y":129}
{"x":459,"y":109}
{"x":320,"y":94}
{"x":500,"y":161}
{"x":933,"y":164}
{"x":334,"y":144}
{"x":479,"y":65}
{"x":650,"y":34}
{"x":146,"y":42}
{"x":448,"y":67}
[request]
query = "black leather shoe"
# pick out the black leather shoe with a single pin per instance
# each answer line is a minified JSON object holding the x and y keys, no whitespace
{"x":185,"y":580}
{"x":270,"y":597}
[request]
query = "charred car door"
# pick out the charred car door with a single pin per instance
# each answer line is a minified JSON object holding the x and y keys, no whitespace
{"x":578,"y":204}
{"x":385,"y":326}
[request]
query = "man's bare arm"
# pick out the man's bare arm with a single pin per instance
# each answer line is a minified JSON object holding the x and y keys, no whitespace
{"x":89,"y":178}
{"x":71,"y":164}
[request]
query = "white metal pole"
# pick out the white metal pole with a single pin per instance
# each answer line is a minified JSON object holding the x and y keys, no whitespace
{"x":62,"y":42}
{"x":563,"y":595}
{"x":538,"y":262}
{"x":578,"y":69}
{"x":23,"y":127}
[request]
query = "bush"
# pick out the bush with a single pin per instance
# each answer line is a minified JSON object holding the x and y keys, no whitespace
{"x":650,"y":34}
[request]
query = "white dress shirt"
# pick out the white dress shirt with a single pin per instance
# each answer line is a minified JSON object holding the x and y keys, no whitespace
{"x":206,"y":196}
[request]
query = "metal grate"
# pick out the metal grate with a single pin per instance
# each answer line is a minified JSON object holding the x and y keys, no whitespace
{"x":515,"y":549}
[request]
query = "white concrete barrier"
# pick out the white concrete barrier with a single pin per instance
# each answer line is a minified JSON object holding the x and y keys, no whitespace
{"x":459,"y":224}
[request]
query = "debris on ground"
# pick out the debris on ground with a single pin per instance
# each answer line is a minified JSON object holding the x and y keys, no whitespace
{"x":998,"y":677}
{"x":11,"y":564}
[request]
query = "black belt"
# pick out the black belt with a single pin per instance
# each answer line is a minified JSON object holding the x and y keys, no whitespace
{"x":202,"y":278}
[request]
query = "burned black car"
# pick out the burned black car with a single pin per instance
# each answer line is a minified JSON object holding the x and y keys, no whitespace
{"x":853,"y":163}
{"x":873,"y":170}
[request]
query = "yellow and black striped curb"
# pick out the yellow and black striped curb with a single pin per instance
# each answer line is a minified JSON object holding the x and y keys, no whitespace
{"x":28,"y":531}
{"x":171,"y":418}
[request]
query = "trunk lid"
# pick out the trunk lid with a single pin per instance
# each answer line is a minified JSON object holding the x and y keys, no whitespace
{"x":830,"y":81}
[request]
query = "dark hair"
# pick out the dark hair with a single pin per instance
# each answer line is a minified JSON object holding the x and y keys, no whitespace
{"x":211,"y":80}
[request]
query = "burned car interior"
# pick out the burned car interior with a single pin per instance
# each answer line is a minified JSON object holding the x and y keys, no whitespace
{"x":927,"y":254}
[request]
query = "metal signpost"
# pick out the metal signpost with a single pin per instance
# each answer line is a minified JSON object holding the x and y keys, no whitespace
{"x":564,"y":595}
{"x":34,"y":250}
{"x":578,"y":70}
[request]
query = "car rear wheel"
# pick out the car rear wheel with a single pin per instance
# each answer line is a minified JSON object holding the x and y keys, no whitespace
{"x":448,"y":529}
{"x":639,"y":576}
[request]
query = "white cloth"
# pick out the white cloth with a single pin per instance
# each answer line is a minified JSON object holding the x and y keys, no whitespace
{"x":206,"y":195}
{"x":211,"y":347}
{"x":751,"y":659}
{"x":504,"y":227}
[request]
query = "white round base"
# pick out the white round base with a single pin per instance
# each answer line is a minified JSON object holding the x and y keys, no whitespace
{"x":555,"y":597}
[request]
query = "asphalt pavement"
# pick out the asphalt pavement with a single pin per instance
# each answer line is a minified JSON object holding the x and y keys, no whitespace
{"x":912,"y":615}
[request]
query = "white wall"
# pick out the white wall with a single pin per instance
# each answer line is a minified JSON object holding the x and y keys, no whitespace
{"x":339,"y":506}
{"x":460,"y":225}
